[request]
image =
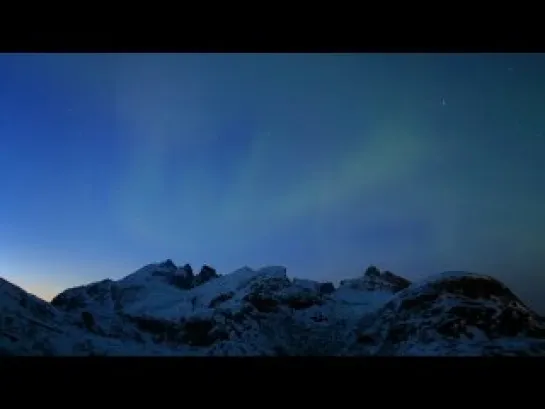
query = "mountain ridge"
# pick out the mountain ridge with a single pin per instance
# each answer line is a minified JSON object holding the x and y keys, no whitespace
{"x":165,"y":309}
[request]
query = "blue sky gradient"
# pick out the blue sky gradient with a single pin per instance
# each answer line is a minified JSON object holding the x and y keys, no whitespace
{"x":324,"y":163}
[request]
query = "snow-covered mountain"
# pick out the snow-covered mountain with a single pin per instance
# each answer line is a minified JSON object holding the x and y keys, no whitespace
{"x":163,"y":309}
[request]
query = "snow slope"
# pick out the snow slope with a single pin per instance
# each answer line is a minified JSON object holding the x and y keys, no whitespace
{"x":163,"y":309}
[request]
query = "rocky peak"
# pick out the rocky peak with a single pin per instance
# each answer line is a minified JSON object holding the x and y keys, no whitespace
{"x":207,"y":273}
{"x":183,"y":277}
{"x":372,"y":271}
{"x":168,"y":264}
{"x":187,"y":268}
{"x":375,"y":280}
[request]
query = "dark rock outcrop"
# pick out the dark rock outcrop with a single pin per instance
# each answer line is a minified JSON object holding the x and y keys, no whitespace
{"x":207,"y":273}
{"x":374,"y":280}
{"x":183,"y":278}
{"x":88,"y":320}
{"x":372,"y":271}
{"x":188,"y":269}
{"x":327,"y":288}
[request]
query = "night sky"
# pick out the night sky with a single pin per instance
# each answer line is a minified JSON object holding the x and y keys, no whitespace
{"x":324,"y":163}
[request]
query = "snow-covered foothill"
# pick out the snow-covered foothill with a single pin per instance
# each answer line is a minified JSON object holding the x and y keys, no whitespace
{"x":453,"y":313}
